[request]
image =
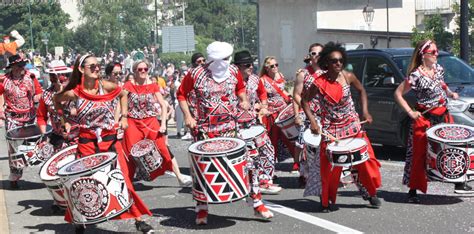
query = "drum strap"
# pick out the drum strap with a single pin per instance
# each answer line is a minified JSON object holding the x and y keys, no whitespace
{"x":112,"y":138}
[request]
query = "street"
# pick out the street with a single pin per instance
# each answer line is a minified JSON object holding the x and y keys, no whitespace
{"x":441,"y":211}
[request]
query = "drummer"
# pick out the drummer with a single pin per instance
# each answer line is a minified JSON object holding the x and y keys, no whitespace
{"x":257,"y":96}
{"x":58,"y":76}
{"x":19,"y":90}
{"x":340,"y":119}
{"x":217,"y":84}
{"x":303,"y":81}
{"x":278,"y":100}
{"x":97,"y":131}
{"x":426,"y":79}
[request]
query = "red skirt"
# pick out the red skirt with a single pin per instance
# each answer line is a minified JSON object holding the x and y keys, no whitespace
{"x":138,"y":207}
{"x":369,"y":173}
{"x":148,"y":128}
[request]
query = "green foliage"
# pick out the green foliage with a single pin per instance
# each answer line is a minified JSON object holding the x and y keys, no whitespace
{"x":46,"y":18}
{"x":123,"y":25}
{"x":434,"y":29}
{"x":223,"y":21}
{"x":456,"y":39}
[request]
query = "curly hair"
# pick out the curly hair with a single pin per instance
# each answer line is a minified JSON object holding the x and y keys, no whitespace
{"x":328,"y":48}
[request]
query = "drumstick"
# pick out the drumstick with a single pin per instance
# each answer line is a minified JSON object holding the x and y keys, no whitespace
{"x":427,"y":110}
{"x":328,"y":135}
{"x":363,"y":122}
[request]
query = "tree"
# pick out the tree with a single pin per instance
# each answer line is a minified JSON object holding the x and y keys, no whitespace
{"x":456,"y":39}
{"x":47,"y":18}
{"x":123,"y":25}
{"x":434,"y":29}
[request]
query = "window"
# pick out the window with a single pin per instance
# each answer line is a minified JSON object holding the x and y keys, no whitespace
{"x":355,"y":65}
{"x":378,"y":73}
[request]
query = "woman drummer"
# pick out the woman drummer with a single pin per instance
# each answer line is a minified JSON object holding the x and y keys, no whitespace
{"x":143,"y":95}
{"x":278,"y":100}
{"x":426,"y":79}
{"x":95,"y":101}
{"x":340,"y":119}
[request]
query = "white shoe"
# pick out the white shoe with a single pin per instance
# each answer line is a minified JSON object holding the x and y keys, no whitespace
{"x":186,"y":182}
{"x":270,"y":189}
{"x":187,"y":137}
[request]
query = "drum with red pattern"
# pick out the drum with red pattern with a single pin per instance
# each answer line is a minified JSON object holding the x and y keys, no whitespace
{"x":286,"y":121}
{"x":48,"y":173}
{"x":95,"y":188}
{"x":148,"y":159}
{"x":24,"y":141}
{"x":219,"y":170}
{"x":348,"y":152}
{"x":449,"y":147}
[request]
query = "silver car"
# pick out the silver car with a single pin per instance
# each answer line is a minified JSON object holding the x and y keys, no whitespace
{"x":382,"y":70}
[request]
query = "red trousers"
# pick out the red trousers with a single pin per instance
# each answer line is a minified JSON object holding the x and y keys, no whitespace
{"x":418,"y":178}
{"x":139,"y":129}
{"x":138,"y":207}
{"x":369,"y":173}
{"x":275,"y":134}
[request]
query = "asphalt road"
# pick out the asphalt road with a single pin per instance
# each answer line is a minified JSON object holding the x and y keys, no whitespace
{"x":441,"y":211}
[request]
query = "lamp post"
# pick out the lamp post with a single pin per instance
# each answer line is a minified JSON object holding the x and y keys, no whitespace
{"x":368,"y":13}
{"x":31,"y":27}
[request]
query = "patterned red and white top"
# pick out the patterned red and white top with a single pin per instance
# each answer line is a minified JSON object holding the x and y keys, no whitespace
{"x":142,"y":100}
{"x":46,"y":110}
{"x":216,"y":103}
{"x":309,"y":76}
{"x":339,"y":119}
{"x":256,"y":93}
{"x":96,"y":111}
{"x":276,"y":102}
{"x":19,"y":97}
{"x":428,"y":91}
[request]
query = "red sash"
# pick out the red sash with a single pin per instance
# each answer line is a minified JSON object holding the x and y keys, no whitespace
{"x":279,"y":91}
{"x":331,"y":90}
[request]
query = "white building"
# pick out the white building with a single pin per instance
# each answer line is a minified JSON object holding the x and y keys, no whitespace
{"x":288,"y":27}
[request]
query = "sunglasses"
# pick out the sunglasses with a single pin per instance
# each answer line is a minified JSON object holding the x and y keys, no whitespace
{"x":93,"y":67}
{"x":336,"y":60}
{"x":117,"y":73}
{"x":200,"y":61}
{"x":145,"y":69}
{"x":273,"y":65}
{"x":314,"y":53}
{"x":432,"y":52}
{"x":247,"y":65}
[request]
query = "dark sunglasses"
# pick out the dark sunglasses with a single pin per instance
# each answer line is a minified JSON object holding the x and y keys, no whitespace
{"x":273,"y":65}
{"x":200,"y":61}
{"x":335,"y":60}
{"x":117,"y":73}
{"x":314,"y":53}
{"x":145,"y":69}
{"x":93,"y":67}
{"x":247,"y":65}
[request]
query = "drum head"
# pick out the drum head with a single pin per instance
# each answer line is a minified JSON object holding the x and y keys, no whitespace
{"x":451,"y":133}
{"x":252,"y":132}
{"x":142,"y":147}
{"x":217,"y":146}
{"x":52,"y":165}
{"x":311,"y":139}
{"x":86,"y":164}
{"x":286,"y":114}
{"x":348,"y":144}
{"x":26,"y":132}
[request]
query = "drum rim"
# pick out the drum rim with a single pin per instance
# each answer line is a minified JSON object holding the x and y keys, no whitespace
{"x":254,"y":126}
{"x":49,"y":129}
{"x":430,"y":134}
{"x":95,"y":168}
{"x":131,"y":150}
{"x":237,"y":149}
{"x":353,"y":138}
{"x":279,"y":121}
{"x":47,"y":162}
{"x":308,"y":132}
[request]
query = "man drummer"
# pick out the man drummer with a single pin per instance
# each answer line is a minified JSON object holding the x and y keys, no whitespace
{"x":18,"y":89}
{"x":257,"y":96}
{"x":219,"y":90}
{"x":59,"y":76}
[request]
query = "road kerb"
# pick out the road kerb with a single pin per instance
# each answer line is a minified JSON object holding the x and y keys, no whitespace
{"x":4,"y":226}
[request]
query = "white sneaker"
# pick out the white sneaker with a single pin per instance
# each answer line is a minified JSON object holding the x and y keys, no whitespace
{"x":187,"y":137}
{"x":186,"y":182}
{"x":270,"y":189}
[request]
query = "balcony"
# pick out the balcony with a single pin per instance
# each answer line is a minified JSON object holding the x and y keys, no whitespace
{"x":432,"y":6}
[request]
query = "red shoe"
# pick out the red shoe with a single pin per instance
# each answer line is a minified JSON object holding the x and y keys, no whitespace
{"x":296,"y":168}
{"x":201,"y":217}
{"x":262,"y":212}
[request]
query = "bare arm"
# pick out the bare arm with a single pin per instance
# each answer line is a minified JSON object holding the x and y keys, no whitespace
{"x":164,"y":109}
{"x":188,"y":118}
{"x":352,"y":79}
{"x":297,"y":90}
{"x":401,"y":90}
{"x":307,"y":96}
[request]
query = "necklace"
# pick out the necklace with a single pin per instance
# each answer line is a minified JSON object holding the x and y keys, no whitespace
{"x":429,"y":73}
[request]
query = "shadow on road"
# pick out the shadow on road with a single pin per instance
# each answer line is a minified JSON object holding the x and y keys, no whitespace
{"x":401,"y":197}
{"x":23,"y":185}
{"x":44,"y":205}
{"x":65,"y":228}
{"x":186,"y":219}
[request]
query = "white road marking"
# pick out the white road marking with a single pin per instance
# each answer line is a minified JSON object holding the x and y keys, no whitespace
{"x":388,"y":163}
{"x":310,"y":219}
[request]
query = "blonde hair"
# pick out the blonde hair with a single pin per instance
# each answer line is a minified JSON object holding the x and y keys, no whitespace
{"x":266,"y":61}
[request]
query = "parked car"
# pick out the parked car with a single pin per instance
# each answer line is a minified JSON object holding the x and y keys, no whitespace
{"x":382,"y":70}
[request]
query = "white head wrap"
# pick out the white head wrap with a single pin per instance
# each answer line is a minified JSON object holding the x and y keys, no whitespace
{"x":216,"y":52}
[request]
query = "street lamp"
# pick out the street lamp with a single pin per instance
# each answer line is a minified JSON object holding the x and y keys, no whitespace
{"x":45,"y":40}
{"x":368,"y":13}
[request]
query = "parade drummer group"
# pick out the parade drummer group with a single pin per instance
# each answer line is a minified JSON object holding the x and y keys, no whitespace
{"x":86,"y":110}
